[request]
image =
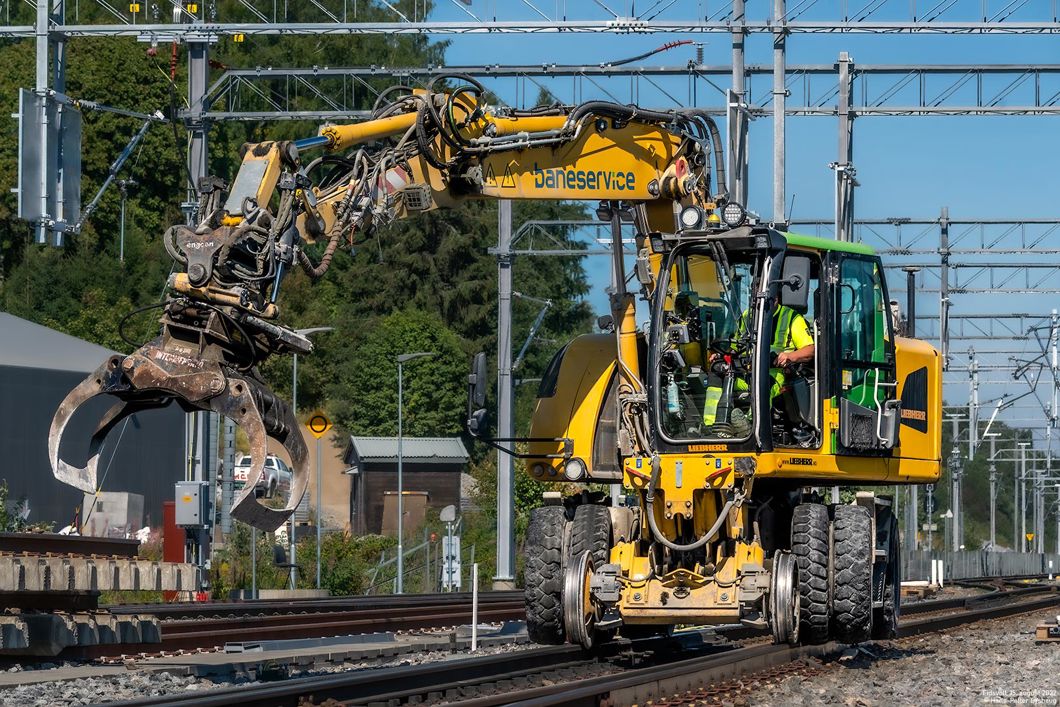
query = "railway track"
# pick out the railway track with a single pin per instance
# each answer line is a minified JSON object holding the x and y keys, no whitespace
{"x":621,"y":672}
{"x":189,"y":627}
{"x":266,"y":607}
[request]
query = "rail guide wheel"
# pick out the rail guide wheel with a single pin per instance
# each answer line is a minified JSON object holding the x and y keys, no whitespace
{"x":784,"y":599}
{"x":580,"y":612}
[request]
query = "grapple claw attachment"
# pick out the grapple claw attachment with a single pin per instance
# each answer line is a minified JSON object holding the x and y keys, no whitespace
{"x":153,"y":378}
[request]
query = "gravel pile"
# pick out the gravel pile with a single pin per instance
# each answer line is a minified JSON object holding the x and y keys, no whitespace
{"x":94,"y":690}
{"x":989,"y":663}
{"x":137,"y":684}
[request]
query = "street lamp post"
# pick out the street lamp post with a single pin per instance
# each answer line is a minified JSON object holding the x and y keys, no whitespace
{"x":402,"y":359}
{"x":993,"y":494}
{"x":956,"y":471}
{"x":946,"y":524}
{"x":1021,"y":498}
{"x":930,"y":513}
{"x":294,"y":410}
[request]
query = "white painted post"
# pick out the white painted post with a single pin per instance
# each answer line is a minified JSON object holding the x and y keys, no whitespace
{"x":474,"y":607}
{"x":934,"y":572}
{"x":941,"y":570}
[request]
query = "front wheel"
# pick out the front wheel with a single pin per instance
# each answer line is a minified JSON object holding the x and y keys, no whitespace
{"x":885,"y":618}
{"x":810,"y":528}
{"x":852,"y":578}
{"x":784,"y":599}
{"x":580,"y":613}
{"x":544,"y":575}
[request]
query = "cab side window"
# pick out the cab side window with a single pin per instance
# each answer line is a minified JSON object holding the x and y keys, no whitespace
{"x":865,"y":329}
{"x":864,"y":336}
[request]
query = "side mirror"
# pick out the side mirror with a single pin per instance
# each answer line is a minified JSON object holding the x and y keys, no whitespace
{"x":476,"y":382}
{"x":476,"y":396}
{"x":476,"y":422}
{"x":795,"y":281}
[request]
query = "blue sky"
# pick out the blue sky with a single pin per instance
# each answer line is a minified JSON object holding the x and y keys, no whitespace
{"x":980,"y":167}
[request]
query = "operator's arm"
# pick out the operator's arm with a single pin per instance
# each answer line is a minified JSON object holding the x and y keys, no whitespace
{"x":802,"y":340}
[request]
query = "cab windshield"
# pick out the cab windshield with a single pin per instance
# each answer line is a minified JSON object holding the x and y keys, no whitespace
{"x":703,"y":332}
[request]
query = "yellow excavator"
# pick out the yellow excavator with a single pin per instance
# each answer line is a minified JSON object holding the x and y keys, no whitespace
{"x":722,"y":449}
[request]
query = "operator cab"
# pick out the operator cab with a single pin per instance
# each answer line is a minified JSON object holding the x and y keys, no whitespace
{"x":726,"y":306}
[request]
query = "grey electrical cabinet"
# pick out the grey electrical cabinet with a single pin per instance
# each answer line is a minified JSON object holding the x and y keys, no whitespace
{"x":193,"y":504}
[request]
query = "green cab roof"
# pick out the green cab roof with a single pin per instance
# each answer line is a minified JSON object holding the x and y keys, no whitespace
{"x":816,"y":243}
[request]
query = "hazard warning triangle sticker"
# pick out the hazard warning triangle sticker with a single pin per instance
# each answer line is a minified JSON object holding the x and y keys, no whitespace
{"x":508,"y":182}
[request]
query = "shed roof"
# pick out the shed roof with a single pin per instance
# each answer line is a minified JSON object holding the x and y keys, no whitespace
{"x":422,"y":450}
{"x":24,"y":344}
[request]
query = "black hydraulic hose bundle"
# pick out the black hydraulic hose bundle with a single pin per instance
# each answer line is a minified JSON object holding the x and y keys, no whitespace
{"x":715,"y":137}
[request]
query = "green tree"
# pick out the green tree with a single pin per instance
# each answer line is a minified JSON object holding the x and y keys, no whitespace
{"x":364,"y":395}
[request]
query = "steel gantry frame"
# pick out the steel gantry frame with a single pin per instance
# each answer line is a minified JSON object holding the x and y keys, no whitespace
{"x":284,"y":17}
{"x":843,"y":89}
{"x":334,"y":93}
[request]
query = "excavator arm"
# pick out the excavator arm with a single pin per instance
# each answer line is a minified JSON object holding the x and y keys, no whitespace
{"x":422,"y":150}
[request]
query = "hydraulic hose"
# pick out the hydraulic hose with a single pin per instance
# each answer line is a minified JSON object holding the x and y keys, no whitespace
{"x":617,"y":110}
{"x":649,"y":502}
{"x":317,"y":271}
{"x":715,"y":139}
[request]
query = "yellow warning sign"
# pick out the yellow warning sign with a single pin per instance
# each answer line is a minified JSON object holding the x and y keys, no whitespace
{"x":508,"y":182}
{"x":1030,"y":537}
{"x":318,"y":425}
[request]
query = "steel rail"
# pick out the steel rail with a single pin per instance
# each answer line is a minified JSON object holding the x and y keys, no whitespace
{"x":267,"y":607}
{"x":454,"y":679}
{"x":640,"y":686}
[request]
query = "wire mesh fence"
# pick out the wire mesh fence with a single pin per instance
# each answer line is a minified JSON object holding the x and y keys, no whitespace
{"x":969,"y":564}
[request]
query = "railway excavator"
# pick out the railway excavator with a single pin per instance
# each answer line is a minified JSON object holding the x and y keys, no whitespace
{"x":723,"y":444}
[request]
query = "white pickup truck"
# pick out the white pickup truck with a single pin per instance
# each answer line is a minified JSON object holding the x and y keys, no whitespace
{"x":275,"y":477}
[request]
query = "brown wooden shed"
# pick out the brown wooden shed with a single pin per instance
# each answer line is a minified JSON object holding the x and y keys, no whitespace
{"x":431,"y":465}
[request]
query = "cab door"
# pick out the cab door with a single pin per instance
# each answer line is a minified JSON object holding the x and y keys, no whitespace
{"x":863,"y":349}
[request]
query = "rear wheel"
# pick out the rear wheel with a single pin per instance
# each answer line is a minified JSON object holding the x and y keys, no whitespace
{"x":852,"y":577}
{"x":885,"y":618}
{"x":544,"y":575}
{"x":809,"y":545}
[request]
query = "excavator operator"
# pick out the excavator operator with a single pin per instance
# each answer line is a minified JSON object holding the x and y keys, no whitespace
{"x":792,"y":346}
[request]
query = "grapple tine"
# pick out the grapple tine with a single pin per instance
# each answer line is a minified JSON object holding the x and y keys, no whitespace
{"x":107,"y":379}
{"x":83,"y":478}
{"x":262,"y":415}
{"x":97,"y":383}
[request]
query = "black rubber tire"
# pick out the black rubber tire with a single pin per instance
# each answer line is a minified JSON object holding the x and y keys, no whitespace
{"x":885,"y":619}
{"x":809,"y":545}
{"x":852,"y":544}
{"x":544,"y":575}
{"x":591,"y":530}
